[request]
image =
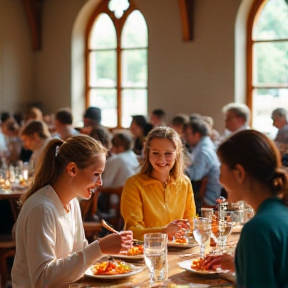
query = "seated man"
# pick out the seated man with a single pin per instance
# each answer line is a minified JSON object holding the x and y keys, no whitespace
{"x":279,"y":117}
{"x":236,"y":117}
{"x":205,"y":165}
{"x":158,"y":118}
{"x":63,"y":124}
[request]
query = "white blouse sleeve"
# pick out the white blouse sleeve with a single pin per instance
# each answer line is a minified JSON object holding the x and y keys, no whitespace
{"x":45,"y":270}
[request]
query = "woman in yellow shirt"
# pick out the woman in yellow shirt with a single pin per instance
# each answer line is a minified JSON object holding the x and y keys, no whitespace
{"x":160,"y":194}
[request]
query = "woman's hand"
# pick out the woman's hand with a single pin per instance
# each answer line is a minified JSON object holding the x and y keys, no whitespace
{"x":177,"y":227}
{"x":114,"y":243}
{"x":227,"y":262}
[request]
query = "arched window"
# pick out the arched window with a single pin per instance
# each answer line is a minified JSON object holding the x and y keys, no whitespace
{"x":116,"y":62}
{"x":267,"y":74}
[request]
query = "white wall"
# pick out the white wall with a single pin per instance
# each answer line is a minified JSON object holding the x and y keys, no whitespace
{"x":53,"y":62}
{"x":197,"y":76}
{"x":16,"y":58}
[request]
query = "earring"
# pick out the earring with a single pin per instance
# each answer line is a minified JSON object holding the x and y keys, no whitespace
{"x":71,"y":174}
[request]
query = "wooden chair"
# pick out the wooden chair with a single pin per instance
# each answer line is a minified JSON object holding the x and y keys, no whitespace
{"x":88,"y":210}
{"x":7,"y":249}
{"x":115,"y":219}
{"x":7,"y":243}
{"x":89,"y":207}
{"x":91,"y":230}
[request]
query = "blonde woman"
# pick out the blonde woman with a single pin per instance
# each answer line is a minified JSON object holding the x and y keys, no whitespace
{"x":160,"y":194}
{"x":51,"y":249}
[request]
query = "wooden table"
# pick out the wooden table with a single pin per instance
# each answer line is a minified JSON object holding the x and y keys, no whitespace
{"x":177,"y":277}
{"x":15,"y":194}
{"x":13,"y":197}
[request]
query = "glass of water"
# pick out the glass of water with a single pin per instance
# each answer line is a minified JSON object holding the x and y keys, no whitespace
{"x":201,"y":232}
{"x":155,"y":255}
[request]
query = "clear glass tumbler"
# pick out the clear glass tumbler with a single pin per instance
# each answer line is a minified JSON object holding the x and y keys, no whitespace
{"x":155,"y":255}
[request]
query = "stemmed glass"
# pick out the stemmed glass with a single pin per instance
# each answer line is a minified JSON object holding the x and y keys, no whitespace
{"x":155,"y":255}
{"x":225,"y":231}
{"x":201,"y":232}
{"x":216,"y":235}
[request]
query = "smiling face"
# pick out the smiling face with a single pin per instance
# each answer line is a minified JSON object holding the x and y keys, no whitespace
{"x":162,"y":155}
{"x":86,"y":180}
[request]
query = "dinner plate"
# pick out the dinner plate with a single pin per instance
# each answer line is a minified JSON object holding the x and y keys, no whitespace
{"x":187,"y":266}
{"x":128,"y":258}
{"x":135,"y":270}
{"x":181,"y":245}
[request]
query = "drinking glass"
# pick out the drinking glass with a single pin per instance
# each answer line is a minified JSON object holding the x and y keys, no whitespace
{"x":207,"y":213}
{"x":155,"y":255}
{"x":201,"y":232}
{"x":215,"y":235}
{"x":225,"y":231}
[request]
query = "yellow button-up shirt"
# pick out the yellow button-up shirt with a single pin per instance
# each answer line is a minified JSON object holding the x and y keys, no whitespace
{"x":147,"y":207}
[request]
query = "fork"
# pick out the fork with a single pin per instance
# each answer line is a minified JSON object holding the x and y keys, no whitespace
{"x":110,"y":228}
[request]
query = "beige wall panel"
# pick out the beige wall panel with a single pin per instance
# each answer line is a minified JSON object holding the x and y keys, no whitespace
{"x":197,"y":76}
{"x":16,"y":58}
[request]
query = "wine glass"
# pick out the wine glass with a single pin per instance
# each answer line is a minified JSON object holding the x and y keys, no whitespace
{"x":215,"y":235}
{"x":225,"y":231}
{"x":155,"y":255}
{"x":201,"y":232}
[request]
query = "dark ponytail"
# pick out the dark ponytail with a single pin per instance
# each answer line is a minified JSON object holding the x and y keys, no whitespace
{"x":280,"y":185}
{"x":259,"y":157}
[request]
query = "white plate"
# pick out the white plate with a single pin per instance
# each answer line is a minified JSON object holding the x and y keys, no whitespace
{"x":181,"y":245}
{"x":187,"y":266}
{"x":135,"y":270}
{"x":135,"y":258}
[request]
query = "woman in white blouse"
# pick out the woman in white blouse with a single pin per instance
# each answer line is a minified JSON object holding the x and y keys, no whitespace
{"x":51,"y":249}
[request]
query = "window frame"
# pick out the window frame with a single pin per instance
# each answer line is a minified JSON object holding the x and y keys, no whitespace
{"x":253,"y":16}
{"x":118,"y":24}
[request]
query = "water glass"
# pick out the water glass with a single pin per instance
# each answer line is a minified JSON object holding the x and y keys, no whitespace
{"x":215,"y":236}
{"x":155,"y":255}
{"x":201,"y":232}
{"x":207,"y":212}
{"x":225,"y":231}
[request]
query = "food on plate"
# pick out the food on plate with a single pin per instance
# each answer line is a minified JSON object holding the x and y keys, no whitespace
{"x":208,"y":263}
{"x":181,"y":240}
{"x":135,"y":250}
{"x":110,"y":268}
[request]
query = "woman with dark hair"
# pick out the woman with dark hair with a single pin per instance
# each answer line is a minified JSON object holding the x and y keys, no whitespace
{"x":250,"y":172}
{"x":139,"y":128}
{"x":51,"y":249}
{"x":160,"y":194}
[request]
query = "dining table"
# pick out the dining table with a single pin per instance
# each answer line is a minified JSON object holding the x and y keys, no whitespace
{"x":13,"y":196}
{"x":177,"y":277}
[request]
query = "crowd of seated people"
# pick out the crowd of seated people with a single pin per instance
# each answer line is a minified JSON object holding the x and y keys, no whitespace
{"x":148,"y":167}
{"x":25,"y":139}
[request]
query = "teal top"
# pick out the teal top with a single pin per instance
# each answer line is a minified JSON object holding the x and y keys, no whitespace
{"x":261,"y":257}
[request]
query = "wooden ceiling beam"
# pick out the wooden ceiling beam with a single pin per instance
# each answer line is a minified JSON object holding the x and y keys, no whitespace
{"x":33,"y":10}
{"x":186,"y":8}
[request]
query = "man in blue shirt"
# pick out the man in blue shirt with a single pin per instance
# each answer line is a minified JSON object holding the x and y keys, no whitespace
{"x":205,"y":165}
